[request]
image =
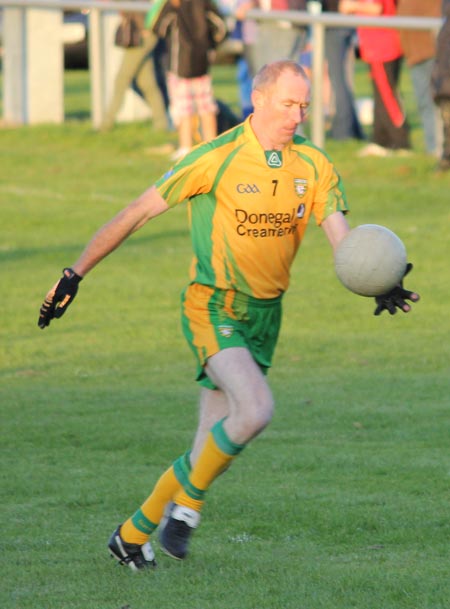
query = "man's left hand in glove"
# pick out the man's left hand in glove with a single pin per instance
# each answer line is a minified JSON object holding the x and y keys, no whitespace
{"x":396,"y":298}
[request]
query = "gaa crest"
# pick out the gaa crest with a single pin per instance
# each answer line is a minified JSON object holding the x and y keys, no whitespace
{"x":273,"y":158}
{"x":300,"y":186}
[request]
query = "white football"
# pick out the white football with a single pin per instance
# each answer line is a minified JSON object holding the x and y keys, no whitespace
{"x":370,"y":260}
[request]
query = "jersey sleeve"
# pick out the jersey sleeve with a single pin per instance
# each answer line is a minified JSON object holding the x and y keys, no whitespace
{"x":330,"y":195}
{"x":189,"y":177}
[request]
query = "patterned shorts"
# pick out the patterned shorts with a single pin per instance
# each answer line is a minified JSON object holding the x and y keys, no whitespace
{"x":190,"y":96}
{"x":215,"y":319}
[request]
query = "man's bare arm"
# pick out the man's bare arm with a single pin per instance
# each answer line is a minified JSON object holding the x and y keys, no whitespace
{"x":147,"y":206}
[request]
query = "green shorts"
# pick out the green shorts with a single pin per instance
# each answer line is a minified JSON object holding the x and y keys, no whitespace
{"x":214,"y":319}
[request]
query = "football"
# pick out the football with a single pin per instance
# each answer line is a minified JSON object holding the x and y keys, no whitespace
{"x":370,"y":260}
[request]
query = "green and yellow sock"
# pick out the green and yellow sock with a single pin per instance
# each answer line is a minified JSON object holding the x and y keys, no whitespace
{"x":144,"y":521}
{"x":217,"y":454}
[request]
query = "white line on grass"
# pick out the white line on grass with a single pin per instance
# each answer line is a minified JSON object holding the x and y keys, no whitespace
{"x":53,"y":194}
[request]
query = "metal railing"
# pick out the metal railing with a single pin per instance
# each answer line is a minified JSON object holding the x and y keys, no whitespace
{"x":316,"y":22}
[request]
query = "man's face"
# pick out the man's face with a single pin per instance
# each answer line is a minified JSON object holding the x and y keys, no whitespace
{"x":283,"y":107}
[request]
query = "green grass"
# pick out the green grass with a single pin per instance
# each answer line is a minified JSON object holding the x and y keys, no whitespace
{"x":342,"y":503}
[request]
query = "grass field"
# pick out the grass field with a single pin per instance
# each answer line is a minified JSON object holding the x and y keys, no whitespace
{"x":342,"y":503}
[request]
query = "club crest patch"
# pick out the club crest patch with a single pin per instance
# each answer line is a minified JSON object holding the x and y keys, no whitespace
{"x":225,"y":331}
{"x":300,"y":186}
{"x":273,"y":158}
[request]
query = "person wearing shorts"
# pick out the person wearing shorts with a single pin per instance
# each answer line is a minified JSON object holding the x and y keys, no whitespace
{"x":250,"y":194}
{"x":190,"y":98}
{"x":214,"y":319}
{"x":191,"y":31}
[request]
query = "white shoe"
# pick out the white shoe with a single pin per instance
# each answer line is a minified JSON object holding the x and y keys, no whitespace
{"x":175,"y":532}
{"x":374,"y":150}
{"x":403,"y":152}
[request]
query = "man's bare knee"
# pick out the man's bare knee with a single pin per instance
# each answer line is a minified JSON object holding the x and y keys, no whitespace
{"x":250,"y":400}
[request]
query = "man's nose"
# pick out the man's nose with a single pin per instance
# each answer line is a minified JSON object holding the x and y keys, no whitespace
{"x":297,"y":114}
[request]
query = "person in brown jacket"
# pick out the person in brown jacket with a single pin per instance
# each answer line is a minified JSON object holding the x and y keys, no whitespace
{"x":191,"y":30}
{"x":419,"y":49}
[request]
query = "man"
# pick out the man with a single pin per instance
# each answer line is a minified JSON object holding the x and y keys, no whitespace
{"x":339,"y":51}
{"x":191,"y":31}
{"x":419,"y":49}
{"x":280,"y":38}
{"x":381,"y":49}
{"x":137,"y":66}
{"x":251,"y":192}
{"x":440,"y":85}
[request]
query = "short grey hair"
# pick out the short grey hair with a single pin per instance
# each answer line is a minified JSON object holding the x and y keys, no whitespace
{"x":270,"y":72}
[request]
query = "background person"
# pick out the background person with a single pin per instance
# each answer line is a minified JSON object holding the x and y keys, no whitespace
{"x":381,"y":49}
{"x":137,"y":65}
{"x":419,"y":48}
{"x":251,"y":193}
{"x":191,"y":31}
{"x":278,"y":39}
{"x":339,"y":51}
{"x":440,"y":84}
{"x":235,"y":11}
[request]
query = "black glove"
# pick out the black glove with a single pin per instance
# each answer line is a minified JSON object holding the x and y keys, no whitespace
{"x":396,"y":297}
{"x":59,"y":297}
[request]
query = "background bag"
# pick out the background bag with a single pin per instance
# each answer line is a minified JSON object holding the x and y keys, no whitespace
{"x":128,"y":34}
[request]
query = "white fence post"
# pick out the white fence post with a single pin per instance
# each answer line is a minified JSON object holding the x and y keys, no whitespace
{"x":96,"y":63}
{"x":317,"y":114}
{"x":33,"y":66}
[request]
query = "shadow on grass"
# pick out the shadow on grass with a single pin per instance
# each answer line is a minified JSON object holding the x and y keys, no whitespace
{"x":28,"y":252}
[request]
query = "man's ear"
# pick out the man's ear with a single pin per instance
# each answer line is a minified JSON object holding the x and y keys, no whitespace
{"x":257,"y":99}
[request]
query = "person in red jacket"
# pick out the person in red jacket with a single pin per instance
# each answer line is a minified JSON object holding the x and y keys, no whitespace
{"x":381,"y":49}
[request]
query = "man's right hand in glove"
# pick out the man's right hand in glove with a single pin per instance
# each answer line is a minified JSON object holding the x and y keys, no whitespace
{"x":396,"y":298}
{"x":59,"y":297}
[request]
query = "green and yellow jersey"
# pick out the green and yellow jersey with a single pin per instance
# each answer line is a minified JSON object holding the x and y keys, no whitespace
{"x":249,"y":208}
